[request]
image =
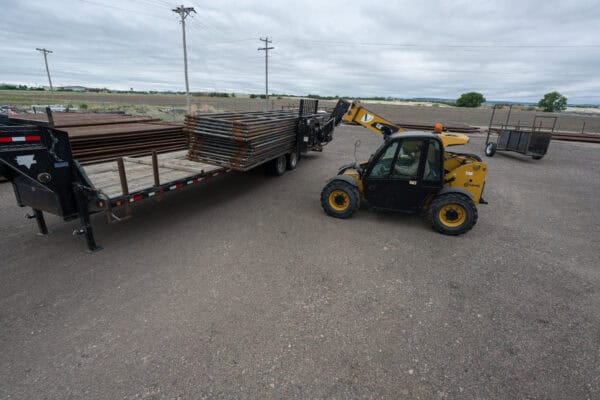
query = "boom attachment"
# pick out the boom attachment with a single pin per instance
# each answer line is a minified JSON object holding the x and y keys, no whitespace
{"x":354,"y":112}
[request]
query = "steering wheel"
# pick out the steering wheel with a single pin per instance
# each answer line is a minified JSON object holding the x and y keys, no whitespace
{"x":381,"y":170}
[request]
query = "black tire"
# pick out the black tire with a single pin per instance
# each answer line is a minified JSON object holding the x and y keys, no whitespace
{"x":292,"y":160}
{"x":490,"y":149}
{"x":340,"y":199}
{"x":278,"y":166}
{"x":537,"y":157}
{"x":452,"y":214}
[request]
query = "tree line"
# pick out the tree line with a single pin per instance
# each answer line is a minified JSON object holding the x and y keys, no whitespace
{"x":551,"y":102}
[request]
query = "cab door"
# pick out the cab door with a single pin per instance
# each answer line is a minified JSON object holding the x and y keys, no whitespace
{"x":395,"y":181}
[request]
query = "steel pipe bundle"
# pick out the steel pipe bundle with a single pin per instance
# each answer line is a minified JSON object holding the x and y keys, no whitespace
{"x":241,"y":141}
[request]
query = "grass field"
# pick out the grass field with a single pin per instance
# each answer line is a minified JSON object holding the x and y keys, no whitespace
{"x":172,"y":107}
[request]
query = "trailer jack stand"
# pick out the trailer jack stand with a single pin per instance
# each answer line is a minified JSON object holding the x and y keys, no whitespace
{"x":84,"y":217}
{"x":89,"y":237}
{"x":39,"y":217}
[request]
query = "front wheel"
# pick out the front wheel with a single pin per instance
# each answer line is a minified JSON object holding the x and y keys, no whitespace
{"x":490,"y":149}
{"x":452,"y":214}
{"x":340,"y":199}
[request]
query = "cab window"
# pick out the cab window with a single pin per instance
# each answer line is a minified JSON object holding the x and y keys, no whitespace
{"x":382,"y":167}
{"x":409,"y":157}
{"x":433,"y":166}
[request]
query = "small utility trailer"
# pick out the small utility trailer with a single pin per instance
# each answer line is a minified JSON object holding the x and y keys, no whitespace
{"x":530,"y":141}
{"x":38,"y":162}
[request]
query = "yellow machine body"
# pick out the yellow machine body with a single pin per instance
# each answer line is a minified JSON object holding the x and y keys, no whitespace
{"x":464,"y":171}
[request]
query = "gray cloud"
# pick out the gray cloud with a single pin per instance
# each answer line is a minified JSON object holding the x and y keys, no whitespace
{"x":509,"y":50}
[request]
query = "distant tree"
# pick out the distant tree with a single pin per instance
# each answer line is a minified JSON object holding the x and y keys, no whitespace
{"x":553,"y":101}
{"x":470,"y":99}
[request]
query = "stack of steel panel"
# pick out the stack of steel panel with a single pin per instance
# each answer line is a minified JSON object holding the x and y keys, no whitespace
{"x":103,"y":137}
{"x":241,"y":141}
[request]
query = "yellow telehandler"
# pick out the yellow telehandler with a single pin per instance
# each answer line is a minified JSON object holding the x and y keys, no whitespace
{"x":412,"y":171}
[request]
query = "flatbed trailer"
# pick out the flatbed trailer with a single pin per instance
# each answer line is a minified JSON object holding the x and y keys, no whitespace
{"x":38,"y":162}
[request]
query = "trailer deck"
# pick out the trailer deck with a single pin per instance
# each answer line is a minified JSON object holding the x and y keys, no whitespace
{"x":140,"y":172}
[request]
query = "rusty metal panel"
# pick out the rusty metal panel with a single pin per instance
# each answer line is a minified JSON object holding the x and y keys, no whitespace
{"x":102,"y":137}
{"x":241,"y":140}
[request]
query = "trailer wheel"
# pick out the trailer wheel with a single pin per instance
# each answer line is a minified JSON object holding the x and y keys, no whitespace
{"x":340,"y":199}
{"x":278,"y":166}
{"x":537,"y":157}
{"x":452,"y":214}
{"x":292,"y":160}
{"x":490,"y":149}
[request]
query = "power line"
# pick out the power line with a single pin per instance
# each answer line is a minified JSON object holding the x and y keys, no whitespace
{"x":157,"y":3}
{"x":415,"y":45}
{"x":213,"y":28}
{"x":122,"y":9}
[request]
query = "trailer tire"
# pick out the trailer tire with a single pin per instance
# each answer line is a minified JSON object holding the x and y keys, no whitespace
{"x":278,"y":166}
{"x":490,"y":149}
{"x":452,"y":214}
{"x":292,"y":160}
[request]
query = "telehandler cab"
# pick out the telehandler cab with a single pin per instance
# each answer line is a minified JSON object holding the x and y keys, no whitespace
{"x":410,"y":172}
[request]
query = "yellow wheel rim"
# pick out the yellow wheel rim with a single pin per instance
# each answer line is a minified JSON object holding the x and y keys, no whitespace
{"x":452,"y":215}
{"x":339,"y":200}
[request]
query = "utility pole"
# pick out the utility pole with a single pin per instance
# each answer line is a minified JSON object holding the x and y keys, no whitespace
{"x":266,"y":50}
{"x":184,"y":12}
{"x":47,"y":70}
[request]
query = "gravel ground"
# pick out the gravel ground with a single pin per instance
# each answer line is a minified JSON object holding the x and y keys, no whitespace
{"x":244,"y":288}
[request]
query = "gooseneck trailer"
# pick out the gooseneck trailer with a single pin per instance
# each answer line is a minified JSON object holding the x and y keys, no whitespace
{"x":38,"y":161}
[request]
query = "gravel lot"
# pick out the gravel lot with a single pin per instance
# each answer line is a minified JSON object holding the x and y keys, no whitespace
{"x":244,"y":288}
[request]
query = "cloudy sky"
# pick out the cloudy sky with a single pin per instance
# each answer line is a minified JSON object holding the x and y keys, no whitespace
{"x":507,"y":50}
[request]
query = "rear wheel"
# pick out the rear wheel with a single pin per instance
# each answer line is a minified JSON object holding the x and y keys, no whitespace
{"x":452,"y":214}
{"x":340,"y":199}
{"x":278,"y":166}
{"x":292,"y":160}
{"x":490,"y":149}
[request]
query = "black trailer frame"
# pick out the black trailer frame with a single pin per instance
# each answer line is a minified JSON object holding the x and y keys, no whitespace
{"x":38,"y":162}
{"x":531,"y":141}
